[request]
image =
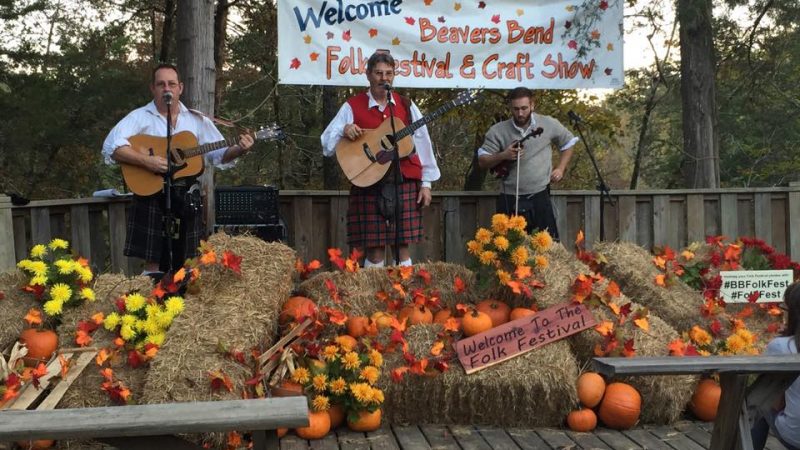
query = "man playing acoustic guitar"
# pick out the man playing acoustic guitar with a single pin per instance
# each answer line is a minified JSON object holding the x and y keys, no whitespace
{"x":500,"y":146}
{"x":370,"y":221}
{"x":146,"y":237}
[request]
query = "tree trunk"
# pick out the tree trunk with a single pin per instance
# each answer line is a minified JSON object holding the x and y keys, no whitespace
{"x":698,"y":94}
{"x":476,"y":175}
{"x":330,"y":168}
{"x":220,"y":33}
{"x":196,"y":65}
{"x":166,"y":31}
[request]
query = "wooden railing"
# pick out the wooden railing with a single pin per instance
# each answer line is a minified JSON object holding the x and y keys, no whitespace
{"x":316,"y":221}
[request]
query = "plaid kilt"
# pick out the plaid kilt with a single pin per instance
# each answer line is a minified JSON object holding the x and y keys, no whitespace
{"x":366,"y":227}
{"x":145,"y":237}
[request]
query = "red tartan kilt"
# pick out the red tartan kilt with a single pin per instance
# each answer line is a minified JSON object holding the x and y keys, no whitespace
{"x":366,"y":227}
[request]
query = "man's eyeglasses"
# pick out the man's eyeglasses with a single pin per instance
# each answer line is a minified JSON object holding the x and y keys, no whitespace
{"x":172,"y":84}
{"x":379,"y":73}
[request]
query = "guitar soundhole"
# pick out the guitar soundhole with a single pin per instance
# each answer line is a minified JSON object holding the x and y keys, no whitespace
{"x":368,"y":152}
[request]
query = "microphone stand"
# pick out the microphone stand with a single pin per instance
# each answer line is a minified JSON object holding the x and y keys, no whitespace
{"x":601,"y":184}
{"x":396,"y":175}
{"x":169,"y":218}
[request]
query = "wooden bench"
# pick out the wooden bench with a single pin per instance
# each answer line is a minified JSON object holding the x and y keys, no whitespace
{"x":731,"y":427}
{"x":150,"y":426}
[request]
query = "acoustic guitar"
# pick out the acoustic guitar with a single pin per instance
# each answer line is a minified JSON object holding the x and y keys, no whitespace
{"x":366,"y":160}
{"x":187,"y":157}
{"x":502,"y":169}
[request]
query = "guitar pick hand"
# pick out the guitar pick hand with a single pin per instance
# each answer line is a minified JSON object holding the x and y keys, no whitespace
{"x":155,"y":164}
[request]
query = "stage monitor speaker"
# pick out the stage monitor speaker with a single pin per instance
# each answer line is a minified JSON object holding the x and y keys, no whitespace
{"x":246,"y":205}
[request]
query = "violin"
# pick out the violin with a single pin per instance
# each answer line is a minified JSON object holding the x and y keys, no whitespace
{"x":501,"y":170}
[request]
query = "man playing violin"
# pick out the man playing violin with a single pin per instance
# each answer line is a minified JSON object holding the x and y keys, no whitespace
{"x":532,"y":158}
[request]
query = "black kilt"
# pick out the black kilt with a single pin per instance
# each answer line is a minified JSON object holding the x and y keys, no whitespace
{"x":367,"y":227}
{"x":145,"y":237}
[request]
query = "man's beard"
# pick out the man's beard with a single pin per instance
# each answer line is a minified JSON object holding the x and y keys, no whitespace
{"x":525,"y":121}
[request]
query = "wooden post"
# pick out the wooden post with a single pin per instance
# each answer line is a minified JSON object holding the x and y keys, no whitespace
{"x":725,"y":435}
{"x":8,"y":257}
{"x":793,"y":225}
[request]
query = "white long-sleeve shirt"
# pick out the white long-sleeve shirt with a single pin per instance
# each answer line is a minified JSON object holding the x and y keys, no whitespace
{"x":147,"y":120}
{"x":422,"y":140}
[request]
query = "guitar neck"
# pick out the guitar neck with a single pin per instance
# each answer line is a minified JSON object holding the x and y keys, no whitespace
{"x":426,"y":120}
{"x":209,"y":147}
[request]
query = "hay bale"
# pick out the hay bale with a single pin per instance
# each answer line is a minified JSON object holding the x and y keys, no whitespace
{"x":632,"y":268}
{"x":85,"y":391}
{"x":537,"y":387}
{"x":14,"y":306}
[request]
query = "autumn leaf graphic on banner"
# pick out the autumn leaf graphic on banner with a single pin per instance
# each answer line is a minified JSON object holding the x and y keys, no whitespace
{"x":481,"y":5}
{"x":595,"y":35}
{"x":313,"y":56}
{"x":496,"y":18}
{"x":346,"y":35}
{"x":608,"y":71}
{"x":396,"y":41}
{"x":441,"y":19}
{"x":428,"y":2}
{"x":307,"y":39}
{"x":457,"y":6}
{"x":520,"y":12}
{"x":570,"y":8}
{"x":572,"y":44}
{"x":295,"y":64}
{"x":410,"y":20}
{"x":373,"y":32}
{"x":604,"y":5}
{"x":610,"y":47}
{"x":329,"y":35}
{"x":568,"y":24}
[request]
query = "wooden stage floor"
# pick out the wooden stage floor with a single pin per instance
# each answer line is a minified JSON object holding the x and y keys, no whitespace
{"x":684,"y":435}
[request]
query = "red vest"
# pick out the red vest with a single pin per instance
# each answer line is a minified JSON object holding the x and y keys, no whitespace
{"x":371,"y":118}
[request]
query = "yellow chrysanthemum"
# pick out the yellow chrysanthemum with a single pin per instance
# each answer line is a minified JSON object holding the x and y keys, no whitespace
{"x":500,"y":223}
{"x":38,"y":251}
{"x":351,"y":361}
{"x":362,"y":392}
{"x":88,"y":294}
{"x":503,"y":276}
{"x":519,"y":257}
{"x":53,"y":307}
{"x":541,"y":241}
{"x":60,"y":292}
{"x":541,"y":261}
{"x":735,"y":343}
{"x":152,"y":309}
{"x":58,"y":243}
{"x":487,"y":257}
{"x":474,"y":247}
{"x":157,"y":339}
{"x":25,"y":264}
{"x":84,"y":273}
{"x":151,"y":326}
{"x":375,"y":358}
{"x":501,"y":243}
{"x":40,"y":280}
{"x":301,"y":375}
{"x":164,"y":319}
{"x":330,"y":352}
{"x":338,"y":386}
{"x":174,"y":305}
{"x":139,"y":325}
{"x":377,"y":396}
{"x":699,"y":336}
{"x":112,"y":321}
{"x":370,"y":374}
{"x":320,"y":382}
{"x":517,"y":223}
{"x":345,"y":342}
{"x":134,"y":302}
{"x":320,"y":403}
{"x":483,"y":236}
{"x":65,"y":267}
{"x":39,"y":268}
{"x":129,"y":320}
{"x":746,"y":335}
{"x":127,"y":332}
{"x":704,"y":352}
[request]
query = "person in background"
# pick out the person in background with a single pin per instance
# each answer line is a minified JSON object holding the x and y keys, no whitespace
{"x":145,"y":237}
{"x":783,"y":418}
{"x":368,"y":227}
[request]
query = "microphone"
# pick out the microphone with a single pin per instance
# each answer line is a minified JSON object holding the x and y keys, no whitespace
{"x":574,"y":117}
{"x":387,"y":86}
{"x":167,"y":97}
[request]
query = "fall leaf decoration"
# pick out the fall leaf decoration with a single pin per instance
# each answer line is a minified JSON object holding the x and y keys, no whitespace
{"x":219,"y":380}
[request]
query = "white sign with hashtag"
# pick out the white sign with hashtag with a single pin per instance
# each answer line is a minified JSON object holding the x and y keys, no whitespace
{"x":767,"y":286}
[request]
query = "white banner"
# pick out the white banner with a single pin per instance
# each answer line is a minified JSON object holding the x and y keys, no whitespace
{"x":495,"y":44}
{"x":738,"y":285}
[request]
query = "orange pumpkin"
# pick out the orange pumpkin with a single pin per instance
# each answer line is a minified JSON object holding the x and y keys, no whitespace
{"x":620,"y":406}
{"x":40,"y":444}
{"x":347,"y":342}
{"x":475,"y":322}
{"x":498,"y":311}
{"x":296,"y":307}
{"x":337,"y":415}
{"x":366,"y":421}
{"x":287,"y":388}
{"x":357,"y":326}
{"x":518,"y":313}
{"x":705,"y":400}
{"x":420,"y":315}
{"x":591,"y":387}
{"x":41,"y":345}
{"x":281,"y":432}
{"x":582,"y":420}
{"x":319,"y":424}
{"x":382,"y":319}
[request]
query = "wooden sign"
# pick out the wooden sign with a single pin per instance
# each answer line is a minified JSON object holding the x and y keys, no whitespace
{"x":523,"y":335}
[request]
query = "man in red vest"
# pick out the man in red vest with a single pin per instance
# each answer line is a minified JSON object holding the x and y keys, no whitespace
{"x":370,"y":221}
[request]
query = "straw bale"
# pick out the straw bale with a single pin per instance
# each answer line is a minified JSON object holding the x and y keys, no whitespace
{"x":85,"y":391}
{"x":632,"y":268}
{"x":14,"y":306}
{"x":534,"y":389}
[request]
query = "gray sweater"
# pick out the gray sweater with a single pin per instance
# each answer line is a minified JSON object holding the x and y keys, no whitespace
{"x":536,"y":159}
